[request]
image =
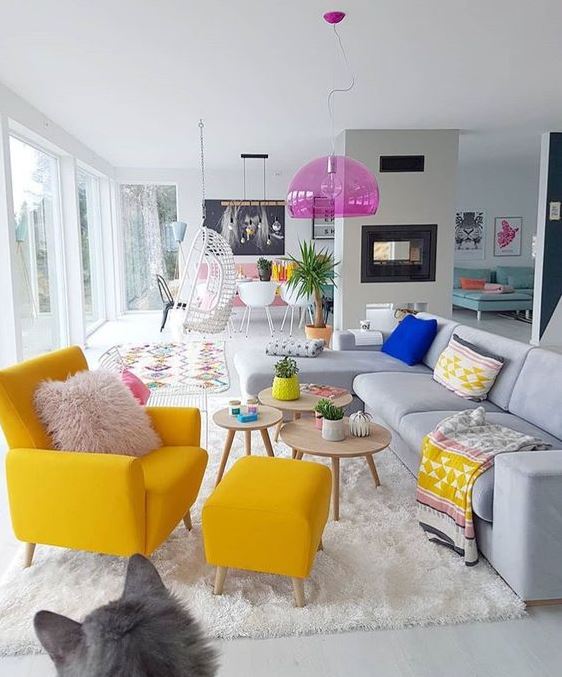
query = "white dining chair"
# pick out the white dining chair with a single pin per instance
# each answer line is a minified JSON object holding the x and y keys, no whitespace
{"x":257,"y":294}
{"x":302,"y":303}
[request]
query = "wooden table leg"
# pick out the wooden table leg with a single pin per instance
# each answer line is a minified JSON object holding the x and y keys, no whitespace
{"x":267,"y":442}
{"x":373,"y":468}
{"x":295,"y":453}
{"x":335,"y":488}
{"x":248,"y":442}
{"x":225,"y":455}
{"x":278,"y":430}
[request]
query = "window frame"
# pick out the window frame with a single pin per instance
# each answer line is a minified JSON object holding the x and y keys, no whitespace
{"x":124,"y":181}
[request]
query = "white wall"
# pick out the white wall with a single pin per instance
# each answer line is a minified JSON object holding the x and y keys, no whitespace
{"x":406,"y":198}
{"x":508,"y":188}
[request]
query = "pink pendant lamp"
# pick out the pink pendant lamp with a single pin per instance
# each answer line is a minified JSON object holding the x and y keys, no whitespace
{"x":336,"y":184}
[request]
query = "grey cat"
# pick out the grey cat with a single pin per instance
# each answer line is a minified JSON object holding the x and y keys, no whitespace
{"x":145,"y":633}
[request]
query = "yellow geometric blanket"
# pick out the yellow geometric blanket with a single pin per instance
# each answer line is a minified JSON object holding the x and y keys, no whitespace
{"x":454,"y":455}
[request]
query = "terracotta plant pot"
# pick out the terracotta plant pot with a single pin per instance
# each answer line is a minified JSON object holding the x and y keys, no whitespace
{"x":319,"y":333}
{"x":286,"y":389}
{"x":333,"y":431}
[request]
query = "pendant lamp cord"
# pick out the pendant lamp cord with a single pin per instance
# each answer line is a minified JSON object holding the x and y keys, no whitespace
{"x":202,"y":147}
{"x":339,"y":89}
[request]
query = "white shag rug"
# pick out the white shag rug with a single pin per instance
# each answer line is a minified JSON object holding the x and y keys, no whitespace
{"x":378,"y":570}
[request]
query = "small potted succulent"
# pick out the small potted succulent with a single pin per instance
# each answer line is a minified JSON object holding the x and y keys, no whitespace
{"x":286,"y":382}
{"x":318,"y":415}
{"x":264,"y":267}
{"x":333,"y":428}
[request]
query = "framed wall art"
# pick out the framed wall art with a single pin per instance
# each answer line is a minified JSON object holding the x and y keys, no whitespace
{"x":507,"y":235}
{"x":470,"y":234}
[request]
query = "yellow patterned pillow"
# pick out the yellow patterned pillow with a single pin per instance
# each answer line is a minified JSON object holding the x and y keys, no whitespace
{"x":466,"y":369}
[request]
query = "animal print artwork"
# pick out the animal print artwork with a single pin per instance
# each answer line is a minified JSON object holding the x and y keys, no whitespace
{"x":469,"y":234}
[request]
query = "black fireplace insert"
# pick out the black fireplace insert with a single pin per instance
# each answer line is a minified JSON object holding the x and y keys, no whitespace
{"x":398,"y":253}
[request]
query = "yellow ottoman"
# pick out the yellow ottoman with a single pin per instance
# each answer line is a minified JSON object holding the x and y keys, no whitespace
{"x":268,"y":515}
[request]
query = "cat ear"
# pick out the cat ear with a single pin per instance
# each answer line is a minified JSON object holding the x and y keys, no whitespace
{"x":58,"y":634}
{"x":142,"y":577}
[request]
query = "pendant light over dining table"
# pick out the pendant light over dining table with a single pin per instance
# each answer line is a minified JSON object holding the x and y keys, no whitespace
{"x":334,"y":184}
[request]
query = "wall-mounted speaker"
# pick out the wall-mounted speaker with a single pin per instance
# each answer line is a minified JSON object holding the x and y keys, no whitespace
{"x":402,"y":163}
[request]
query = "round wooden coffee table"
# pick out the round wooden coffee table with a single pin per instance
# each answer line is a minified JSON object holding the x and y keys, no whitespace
{"x":304,"y":438}
{"x":305,"y":404}
{"x":268,"y":416}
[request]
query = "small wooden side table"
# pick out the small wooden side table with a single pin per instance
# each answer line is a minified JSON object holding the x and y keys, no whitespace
{"x":304,"y":438}
{"x":304,"y":405}
{"x":268,"y":416}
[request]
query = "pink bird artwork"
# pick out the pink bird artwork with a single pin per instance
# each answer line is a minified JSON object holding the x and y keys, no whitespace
{"x":506,"y":235}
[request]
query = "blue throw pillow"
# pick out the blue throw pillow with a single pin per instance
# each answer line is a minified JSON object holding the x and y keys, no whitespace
{"x":411,"y":339}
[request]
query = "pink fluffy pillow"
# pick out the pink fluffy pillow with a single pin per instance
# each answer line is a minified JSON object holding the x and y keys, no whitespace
{"x":141,"y":392}
{"x":94,"y":411}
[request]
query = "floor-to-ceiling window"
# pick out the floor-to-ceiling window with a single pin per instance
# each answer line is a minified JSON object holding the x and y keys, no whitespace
{"x":146,"y":209}
{"x":38,"y":265}
{"x":91,"y":250}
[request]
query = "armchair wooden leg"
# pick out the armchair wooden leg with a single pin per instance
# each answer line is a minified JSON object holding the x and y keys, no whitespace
{"x":219,"y":580}
{"x":298,"y":592}
{"x":321,"y":545}
{"x":29,"y":550}
{"x":187,"y":521}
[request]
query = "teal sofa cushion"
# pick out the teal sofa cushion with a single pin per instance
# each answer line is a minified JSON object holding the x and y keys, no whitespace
{"x":473,"y":274}
{"x":522,"y":277}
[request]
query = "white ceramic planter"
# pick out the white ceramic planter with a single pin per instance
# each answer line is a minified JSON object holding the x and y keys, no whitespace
{"x":333,"y":431}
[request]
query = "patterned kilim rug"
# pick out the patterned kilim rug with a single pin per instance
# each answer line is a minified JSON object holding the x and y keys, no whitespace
{"x":197,"y":363}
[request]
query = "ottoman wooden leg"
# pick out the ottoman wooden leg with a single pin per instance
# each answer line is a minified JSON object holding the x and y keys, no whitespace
{"x":248,"y":442}
{"x":298,"y":592}
{"x":267,"y":442}
{"x":373,"y":469}
{"x":219,"y":580}
{"x":187,"y":521}
{"x":321,"y":545}
{"x":225,"y":455}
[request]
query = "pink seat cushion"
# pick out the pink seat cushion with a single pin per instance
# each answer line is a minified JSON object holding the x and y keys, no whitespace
{"x":141,"y":392}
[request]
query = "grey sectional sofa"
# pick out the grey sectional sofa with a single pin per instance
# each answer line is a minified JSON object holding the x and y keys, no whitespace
{"x":518,"y":503}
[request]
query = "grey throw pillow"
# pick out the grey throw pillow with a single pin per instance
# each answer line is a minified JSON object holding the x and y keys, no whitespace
{"x":295,"y":347}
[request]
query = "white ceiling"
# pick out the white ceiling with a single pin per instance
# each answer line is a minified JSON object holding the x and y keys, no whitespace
{"x":131,"y":79}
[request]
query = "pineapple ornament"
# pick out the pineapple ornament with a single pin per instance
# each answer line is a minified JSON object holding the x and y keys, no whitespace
{"x":360,"y":424}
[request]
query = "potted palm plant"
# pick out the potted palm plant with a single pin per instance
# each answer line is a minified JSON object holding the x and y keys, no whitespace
{"x":313,"y":271}
{"x":264,"y":269}
{"x":286,"y":382}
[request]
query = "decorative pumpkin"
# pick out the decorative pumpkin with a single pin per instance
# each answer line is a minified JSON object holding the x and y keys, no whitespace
{"x":286,"y":388}
{"x":360,"y":424}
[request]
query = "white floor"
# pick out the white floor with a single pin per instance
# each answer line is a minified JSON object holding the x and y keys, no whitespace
{"x":524,"y":648}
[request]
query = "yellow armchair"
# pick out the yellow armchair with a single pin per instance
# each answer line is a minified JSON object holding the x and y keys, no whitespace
{"x":107,"y":503}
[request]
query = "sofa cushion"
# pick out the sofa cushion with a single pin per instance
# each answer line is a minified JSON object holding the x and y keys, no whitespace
{"x":393,"y":396}
{"x":480,"y":273}
{"x":537,"y":395}
{"x":513,"y":353}
{"x":445,"y":330}
{"x":411,"y":339}
{"x":520,"y":275}
{"x":466,"y":369}
{"x":332,"y":367}
{"x":490,"y":296}
{"x":414,"y":427}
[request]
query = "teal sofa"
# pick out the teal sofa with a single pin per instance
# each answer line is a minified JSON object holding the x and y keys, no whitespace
{"x":521,"y":278}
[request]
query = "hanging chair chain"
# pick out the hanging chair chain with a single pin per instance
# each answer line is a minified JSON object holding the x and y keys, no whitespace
{"x":202,"y":145}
